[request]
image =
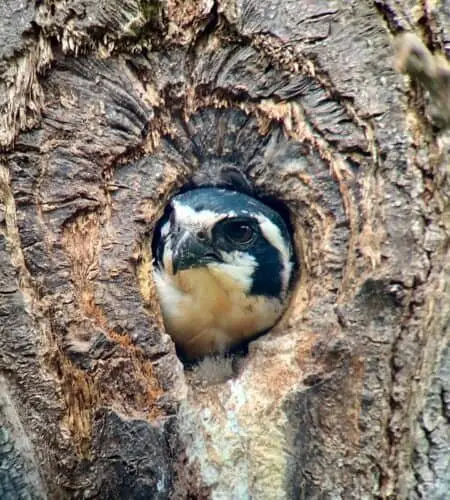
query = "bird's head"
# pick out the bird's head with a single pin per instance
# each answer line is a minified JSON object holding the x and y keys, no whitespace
{"x":239,"y":239}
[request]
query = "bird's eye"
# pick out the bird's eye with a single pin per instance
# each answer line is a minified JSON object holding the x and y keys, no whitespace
{"x":239,"y":232}
{"x":201,"y":235}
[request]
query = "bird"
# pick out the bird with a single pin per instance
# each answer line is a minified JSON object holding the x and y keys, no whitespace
{"x":223,"y":267}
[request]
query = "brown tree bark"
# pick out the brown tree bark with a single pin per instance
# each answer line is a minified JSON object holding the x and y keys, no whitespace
{"x":107,"y":109}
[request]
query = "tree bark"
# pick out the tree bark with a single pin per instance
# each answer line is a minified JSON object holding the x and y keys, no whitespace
{"x":107,"y":109}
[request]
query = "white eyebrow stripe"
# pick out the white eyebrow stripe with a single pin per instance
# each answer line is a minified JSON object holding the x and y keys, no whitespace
{"x":273,"y":235}
{"x":189,"y":217}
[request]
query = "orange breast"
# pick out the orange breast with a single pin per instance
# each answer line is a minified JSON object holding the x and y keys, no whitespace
{"x":212,"y":313}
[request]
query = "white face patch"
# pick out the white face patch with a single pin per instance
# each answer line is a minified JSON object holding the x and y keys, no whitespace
{"x":238,"y":267}
{"x":273,"y":235}
{"x":167,"y":258}
{"x":165,"y":230}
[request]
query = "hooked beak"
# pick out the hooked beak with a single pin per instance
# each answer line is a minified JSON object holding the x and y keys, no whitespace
{"x":190,"y":252}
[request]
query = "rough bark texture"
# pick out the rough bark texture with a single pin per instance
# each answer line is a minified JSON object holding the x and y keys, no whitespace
{"x":107,"y":108}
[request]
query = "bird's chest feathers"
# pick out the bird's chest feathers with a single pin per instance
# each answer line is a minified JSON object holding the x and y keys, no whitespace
{"x":207,"y":307}
{"x":213,"y":290}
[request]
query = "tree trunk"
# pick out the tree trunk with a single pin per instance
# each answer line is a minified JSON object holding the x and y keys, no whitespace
{"x":107,"y":109}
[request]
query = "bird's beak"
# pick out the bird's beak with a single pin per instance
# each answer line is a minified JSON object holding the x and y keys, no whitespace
{"x":190,"y":252}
